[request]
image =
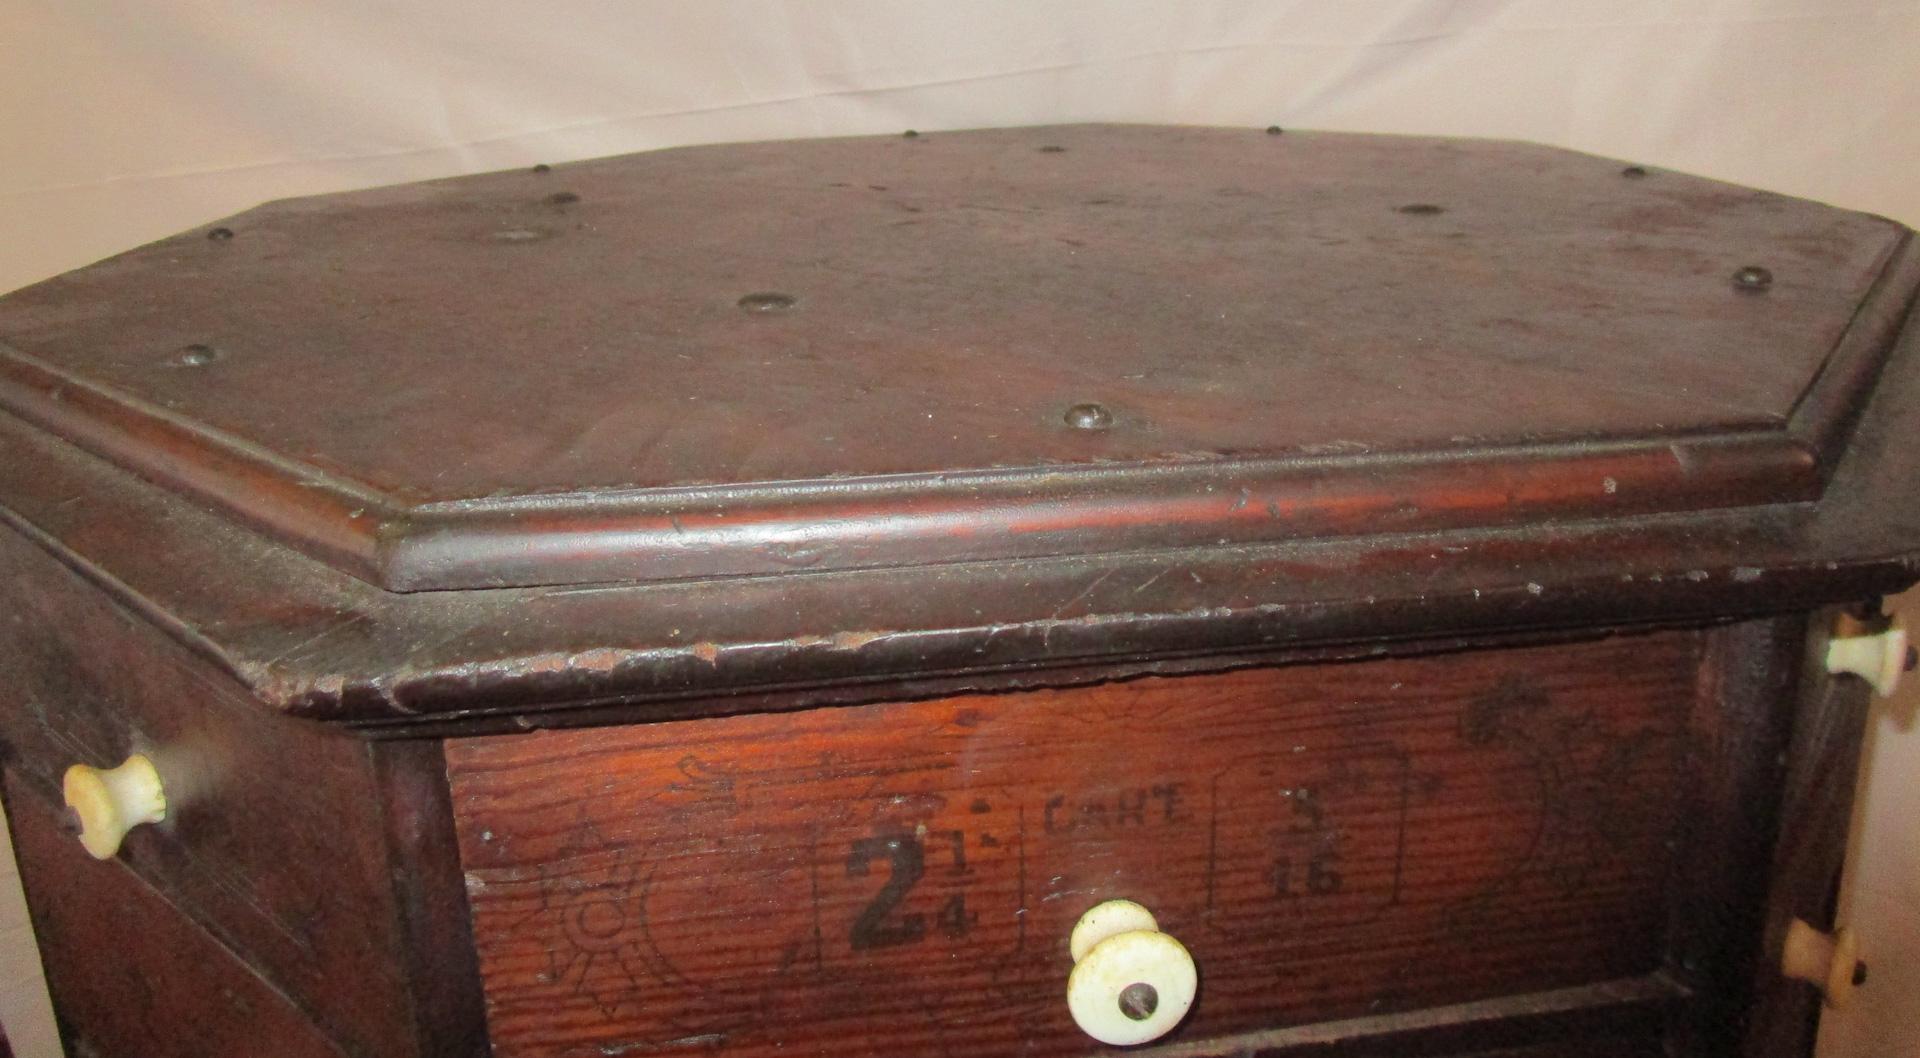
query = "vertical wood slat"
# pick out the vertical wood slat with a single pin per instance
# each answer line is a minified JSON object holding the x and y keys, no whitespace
{"x":1746,"y":689}
{"x":1816,"y":812}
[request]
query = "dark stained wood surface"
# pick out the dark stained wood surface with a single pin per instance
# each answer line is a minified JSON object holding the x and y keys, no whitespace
{"x":538,"y":656}
{"x":523,"y":379}
{"x":321,"y":862}
{"x":132,"y":975}
{"x":1542,"y":412}
{"x":1612,"y":1019}
{"x":1749,"y":701}
{"x":1803,"y":874}
{"x":528,"y":657}
{"x":431,"y":928}
{"x":1330,"y":841}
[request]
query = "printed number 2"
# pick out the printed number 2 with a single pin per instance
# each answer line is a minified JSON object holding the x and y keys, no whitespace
{"x":877,"y":926}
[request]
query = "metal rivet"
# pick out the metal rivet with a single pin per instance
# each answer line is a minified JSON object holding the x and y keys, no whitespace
{"x":1421,"y":209}
{"x":543,"y":168}
{"x":220,"y":234}
{"x":1089,"y":417}
{"x":911,"y":134}
{"x":562,"y":198}
{"x":1274,"y":130}
{"x":1633,"y":172}
{"x":1053,"y":148}
{"x":767,"y":301}
{"x":195,"y":355}
{"x":1139,"y":1000}
{"x":1753,"y":279}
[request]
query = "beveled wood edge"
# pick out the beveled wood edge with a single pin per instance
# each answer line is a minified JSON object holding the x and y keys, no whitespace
{"x":1824,"y":415}
{"x":1037,"y":513}
{"x":904,"y":520}
{"x":421,"y":674}
{"x":647,"y":535}
{"x":354,"y":654}
{"x":1622,"y":1005}
{"x":332,"y":520}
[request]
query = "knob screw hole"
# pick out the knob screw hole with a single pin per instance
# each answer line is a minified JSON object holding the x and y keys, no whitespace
{"x":1139,"y":1000}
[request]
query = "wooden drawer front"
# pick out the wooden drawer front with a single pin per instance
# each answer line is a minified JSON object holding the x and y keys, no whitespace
{"x":133,"y":975}
{"x":1330,"y":841}
{"x":275,"y":842}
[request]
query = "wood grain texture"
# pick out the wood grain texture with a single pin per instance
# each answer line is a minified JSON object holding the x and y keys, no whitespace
{"x":320,"y":861}
{"x":1748,"y":704}
{"x":1611,"y":1019}
{"x":132,"y":976}
{"x":1344,"y":436}
{"x":1331,"y":841}
{"x":1286,"y":352}
{"x":515,"y":658}
{"x":1803,"y":875}
{"x":431,"y":935}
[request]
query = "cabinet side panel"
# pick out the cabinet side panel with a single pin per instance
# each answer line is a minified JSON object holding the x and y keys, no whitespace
{"x":133,"y":976}
{"x":436,"y":946}
{"x":1745,"y":717}
{"x":1816,"y":809}
{"x":274,"y":842}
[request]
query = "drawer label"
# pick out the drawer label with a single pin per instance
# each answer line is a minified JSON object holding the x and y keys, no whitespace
{"x":1328,"y":841}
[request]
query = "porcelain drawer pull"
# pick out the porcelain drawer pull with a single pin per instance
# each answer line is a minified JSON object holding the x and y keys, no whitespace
{"x":1829,"y":962}
{"x":1131,"y":983}
{"x":1879,"y":658}
{"x":111,"y":802}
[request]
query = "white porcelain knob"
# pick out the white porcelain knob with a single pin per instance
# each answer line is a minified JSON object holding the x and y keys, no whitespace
{"x":111,"y":802}
{"x":1879,"y":658}
{"x":1131,"y":983}
{"x":1829,"y":962}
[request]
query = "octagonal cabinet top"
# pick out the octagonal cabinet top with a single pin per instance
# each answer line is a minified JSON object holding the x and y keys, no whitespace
{"x":951,"y":347}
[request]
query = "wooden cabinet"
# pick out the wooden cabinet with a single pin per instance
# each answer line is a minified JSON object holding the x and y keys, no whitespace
{"x":754,"y":600}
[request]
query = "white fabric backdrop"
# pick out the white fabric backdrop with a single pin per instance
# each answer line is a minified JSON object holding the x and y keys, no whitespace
{"x":123,"y":122}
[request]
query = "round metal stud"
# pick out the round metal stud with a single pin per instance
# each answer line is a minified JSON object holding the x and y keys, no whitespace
{"x":195,"y":355}
{"x":1752,"y":279}
{"x":1089,"y":417}
{"x":767,"y":301}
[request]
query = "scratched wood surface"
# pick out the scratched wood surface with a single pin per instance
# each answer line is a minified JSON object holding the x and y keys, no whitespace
{"x":1284,"y":332}
{"x":281,"y":841}
{"x":1330,"y":841}
{"x":131,"y":976}
{"x":314,"y":642}
{"x":1816,"y":811}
